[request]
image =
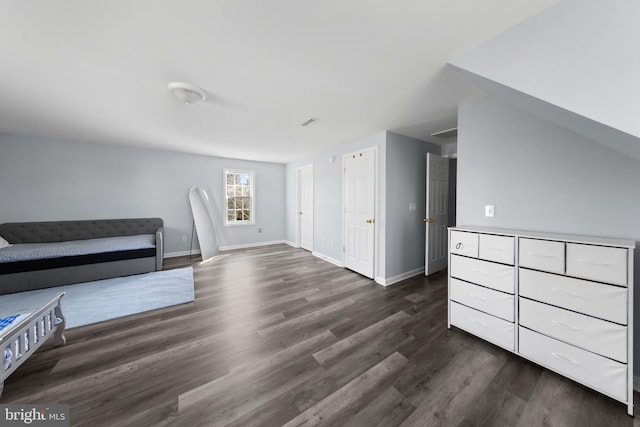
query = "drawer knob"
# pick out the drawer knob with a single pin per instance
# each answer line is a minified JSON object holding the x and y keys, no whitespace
{"x":540,"y":255}
{"x":478,"y":322}
{"x":565,"y":292}
{"x":477,"y":297}
{"x":564,"y":359}
{"x":564,"y":325}
{"x":459,"y":245}
{"x":587,"y":261}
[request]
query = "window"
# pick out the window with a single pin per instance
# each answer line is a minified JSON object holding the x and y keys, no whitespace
{"x":239,"y":206}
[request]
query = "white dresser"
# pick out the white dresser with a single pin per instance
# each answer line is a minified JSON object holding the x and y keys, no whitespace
{"x":564,"y":302}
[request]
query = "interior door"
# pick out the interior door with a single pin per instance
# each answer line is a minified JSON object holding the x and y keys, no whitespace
{"x":305,"y":212}
{"x":359,"y":209}
{"x":436,"y":209}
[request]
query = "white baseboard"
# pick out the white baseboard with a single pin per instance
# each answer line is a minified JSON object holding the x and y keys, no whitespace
{"x":251,"y":245}
{"x":290,"y":243}
{"x":327,"y":258}
{"x":182,"y":253}
{"x":399,"y":278}
{"x":226,"y":248}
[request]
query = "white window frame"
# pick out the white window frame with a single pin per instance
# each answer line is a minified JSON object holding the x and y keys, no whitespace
{"x":252,"y":195}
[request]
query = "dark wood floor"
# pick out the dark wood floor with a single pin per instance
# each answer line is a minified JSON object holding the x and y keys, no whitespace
{"x":278,"y":337}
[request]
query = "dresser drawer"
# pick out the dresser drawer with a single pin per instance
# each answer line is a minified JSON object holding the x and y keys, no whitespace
{"x":545,"y":255}
{"x":463,"y":243}
{"x":497,"y":331}
{"x":599,"y":336}
{"x":599,"y":263}
{"x":603,"y":374}
{"x":595,"y":299}
{"x":497,"y":248}
{"x":484,"y":299}
{"x":496,"y":276}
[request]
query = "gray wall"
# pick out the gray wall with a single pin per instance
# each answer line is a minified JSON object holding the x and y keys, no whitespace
{"x":400,"y":233}
{"x":578,"y":55}
{"x":544,"y":177}
{"x":43,"y":179}
{"x":327,"y":193}
{"x":406,"y":183}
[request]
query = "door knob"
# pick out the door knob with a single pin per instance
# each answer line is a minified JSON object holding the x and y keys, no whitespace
{"x":299,"y":213}
{"x":429,"y":220}
{"x":369,"y":221}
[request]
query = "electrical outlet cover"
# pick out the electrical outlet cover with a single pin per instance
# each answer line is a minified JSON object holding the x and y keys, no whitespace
{"x":488,"y":210}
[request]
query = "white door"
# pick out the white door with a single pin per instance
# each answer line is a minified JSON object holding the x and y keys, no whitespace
{"x":436,"y":209}
{"x":305,"y":208}
{"x":359,"y":208}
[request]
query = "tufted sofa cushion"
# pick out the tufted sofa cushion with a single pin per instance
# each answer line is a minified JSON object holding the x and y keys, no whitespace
{"x":60,"y":231}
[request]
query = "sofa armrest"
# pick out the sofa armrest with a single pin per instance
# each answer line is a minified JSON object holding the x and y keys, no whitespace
{"x":159,"y":248}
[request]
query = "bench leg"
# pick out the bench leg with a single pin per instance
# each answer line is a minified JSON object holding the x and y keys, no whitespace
{"x":58,"y":337}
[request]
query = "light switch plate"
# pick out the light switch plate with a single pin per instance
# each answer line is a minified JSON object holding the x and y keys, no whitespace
{"x":488,"y":211}
{"x":412,"y":206}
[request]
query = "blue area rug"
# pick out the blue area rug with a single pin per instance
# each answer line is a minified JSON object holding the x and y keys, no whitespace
{"x":92,"y":302}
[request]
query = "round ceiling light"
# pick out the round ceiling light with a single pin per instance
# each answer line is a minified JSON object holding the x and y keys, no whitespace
{"x":187,"y":93}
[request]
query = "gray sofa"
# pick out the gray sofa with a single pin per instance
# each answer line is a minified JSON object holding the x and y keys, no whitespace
{"x":55,"y":253}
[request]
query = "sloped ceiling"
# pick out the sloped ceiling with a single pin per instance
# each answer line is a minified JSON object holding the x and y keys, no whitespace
{"x":97,"y":71}
{"x":576,"y":64}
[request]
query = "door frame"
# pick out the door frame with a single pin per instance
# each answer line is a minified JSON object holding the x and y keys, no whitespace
{"x":376,"y":209}
{"x":299,"y":203}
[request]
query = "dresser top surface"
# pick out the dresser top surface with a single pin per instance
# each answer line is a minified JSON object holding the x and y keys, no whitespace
{"x":594,"y":240}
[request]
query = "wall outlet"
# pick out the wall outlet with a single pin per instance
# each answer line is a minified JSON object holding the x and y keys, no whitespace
{"x":184,"y":237}
{"x":488,"y":211}
{"x":259,"y":230}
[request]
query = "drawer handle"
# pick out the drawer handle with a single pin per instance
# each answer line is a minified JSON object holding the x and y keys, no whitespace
{"x":459,"y":245}
{"x":586,"y":261}
{"x":478,"y":322}
{"x":564,"y":325}
{"x":477,"y":297}
{"x":540,"y":255}
{"x":564,"y":359}
{"x":565,"y":292}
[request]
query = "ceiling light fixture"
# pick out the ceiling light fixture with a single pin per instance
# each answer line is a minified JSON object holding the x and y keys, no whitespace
{"x":187,"y":93}
{"x":309,"y":122}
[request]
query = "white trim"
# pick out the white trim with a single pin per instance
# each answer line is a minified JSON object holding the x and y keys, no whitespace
{"x":230,"y":247}
{"x":181,"y":253}
{"x":400,"y":277}
{"x":328,"y":259}
{"x":292,"y":244}
{"x":251,"y":245}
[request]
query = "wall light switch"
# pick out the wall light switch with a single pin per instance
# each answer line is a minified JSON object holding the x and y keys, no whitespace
{"x":412,"y":206}
{"x":488,"y":210}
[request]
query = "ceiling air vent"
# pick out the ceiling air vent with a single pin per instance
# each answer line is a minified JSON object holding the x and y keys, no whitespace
{"x":309,"y":122}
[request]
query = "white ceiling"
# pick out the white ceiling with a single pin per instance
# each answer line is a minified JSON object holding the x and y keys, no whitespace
{"x":97,"y":71}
